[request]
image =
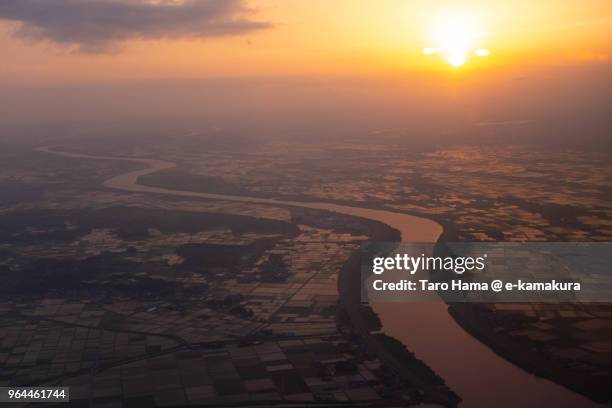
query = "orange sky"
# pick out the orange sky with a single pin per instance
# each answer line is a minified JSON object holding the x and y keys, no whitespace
{"x":322,"y":37}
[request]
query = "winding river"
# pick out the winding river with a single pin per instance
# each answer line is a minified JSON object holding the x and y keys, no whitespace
{"x":470,"y":368}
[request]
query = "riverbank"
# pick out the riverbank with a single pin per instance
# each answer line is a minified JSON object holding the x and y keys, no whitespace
{"x":481,"y":324}
{"x":427,"y":386}
{"x":477,"y":324}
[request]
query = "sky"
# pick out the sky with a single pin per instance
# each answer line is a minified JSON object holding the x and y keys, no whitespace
{"x":76,"y":40}
{"x":440,"y":55}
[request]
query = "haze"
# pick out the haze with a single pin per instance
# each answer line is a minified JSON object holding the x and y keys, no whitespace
{"x":310,"y":69}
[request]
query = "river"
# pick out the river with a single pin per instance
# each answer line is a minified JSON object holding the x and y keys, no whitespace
{"x":480,"y":377}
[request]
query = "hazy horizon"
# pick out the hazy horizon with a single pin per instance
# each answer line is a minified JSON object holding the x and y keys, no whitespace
{"x":308,"y":70}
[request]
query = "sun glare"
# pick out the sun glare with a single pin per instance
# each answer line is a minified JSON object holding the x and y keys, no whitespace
{"x":456,"y":36}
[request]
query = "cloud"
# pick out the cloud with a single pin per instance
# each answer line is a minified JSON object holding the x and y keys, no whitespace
{"x":99,"y":25}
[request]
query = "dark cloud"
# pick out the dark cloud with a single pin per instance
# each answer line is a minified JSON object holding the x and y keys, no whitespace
{"x":97,"y":25}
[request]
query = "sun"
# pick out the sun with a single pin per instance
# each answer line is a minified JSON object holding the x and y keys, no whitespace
{"x":456,"y":36}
